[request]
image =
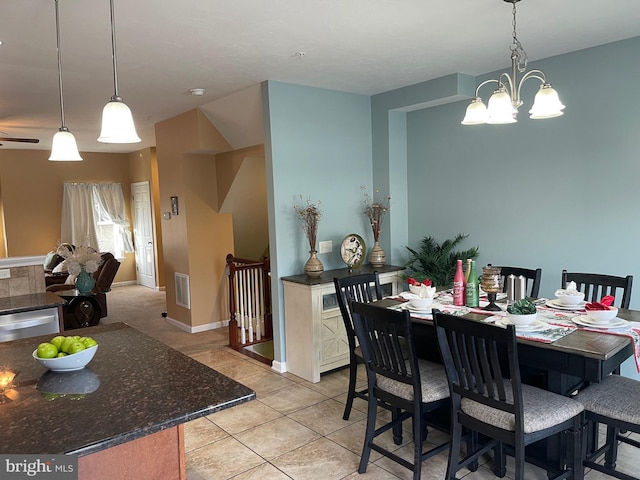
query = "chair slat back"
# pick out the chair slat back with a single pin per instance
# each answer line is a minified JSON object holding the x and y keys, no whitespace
{"x":386,"y":338}
{"x":364,"y":288}
{"x":595,"y":286}
{"x":479,"y":359}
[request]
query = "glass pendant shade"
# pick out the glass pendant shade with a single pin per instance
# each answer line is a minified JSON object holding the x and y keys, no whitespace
{"x":117,"y":123}
{"x":64,"y":148}
{"x":476,"y":113}
{"x":500,"y":109}
{"x":546,"y":104}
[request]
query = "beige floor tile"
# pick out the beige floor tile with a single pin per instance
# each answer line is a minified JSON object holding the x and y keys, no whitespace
{"x":266,"y":471}
{"x":240,"y":369}
{"x":319,"y":459}
{"x":325,"y":417}
{"x":433,"y":468}
{"x":243,"y":417}
{"x":276,"y":437}
{"x":267,"y":382}
{"x":220,"y":460}
{"x":373,"y":473}
{"x":291,"y":399}
{"x":216,"y":358}
{"x":334,"y":384}
{"x":200,"y":432}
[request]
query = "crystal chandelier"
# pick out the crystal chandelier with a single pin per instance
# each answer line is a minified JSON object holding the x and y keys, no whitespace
{"x":505,"y":101}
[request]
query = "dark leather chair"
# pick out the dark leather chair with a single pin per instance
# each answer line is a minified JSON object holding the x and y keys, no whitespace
{"x":533,"y":278}
{"x":87,"y":311}
{"x":595,"y":286}
{"x":489,"y":399}
{"x":360,"y":288}
{"x":614,"y":403}
{"x":411,"y":388}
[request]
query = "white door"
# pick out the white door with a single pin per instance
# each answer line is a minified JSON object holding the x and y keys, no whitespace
{"x":143,"y":234}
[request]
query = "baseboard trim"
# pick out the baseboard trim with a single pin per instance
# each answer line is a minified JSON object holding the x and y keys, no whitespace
{"x":200,"y":328}
{"x":280,"y":367}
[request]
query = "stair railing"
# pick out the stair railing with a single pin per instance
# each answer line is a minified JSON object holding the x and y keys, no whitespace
{"x":250,"y":319}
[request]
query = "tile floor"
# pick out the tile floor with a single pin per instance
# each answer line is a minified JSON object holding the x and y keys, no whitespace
{"x":294,"y":428}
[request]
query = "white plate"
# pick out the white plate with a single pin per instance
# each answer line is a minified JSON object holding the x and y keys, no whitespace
{"x":560,"y":306}
{"x":587,"y":322}
{"x":536,"y":326}
{"x":406,"y":306}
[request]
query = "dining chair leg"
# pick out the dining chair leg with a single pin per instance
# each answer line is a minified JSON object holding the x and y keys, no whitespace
{"x":612,"y":450}
{"x":577,"y":452}
{"x":499,"y":460}
{"x":397,"y":426}
{"x":454,"y":450}
{"x":519,"y":454}
{"x":372,"y":410}
{"x":418,"y":428}
{"x":351,"y":393}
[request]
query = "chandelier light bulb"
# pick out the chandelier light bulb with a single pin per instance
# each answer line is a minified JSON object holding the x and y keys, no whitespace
{"x":117,"y":123}
{"x":476,"y":113}
{"x":547,"y":104}
{"x":501,"y":109}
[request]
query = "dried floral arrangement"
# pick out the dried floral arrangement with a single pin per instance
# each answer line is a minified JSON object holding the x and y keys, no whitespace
{"x":375,"y":208}
{"x":309,"y":215}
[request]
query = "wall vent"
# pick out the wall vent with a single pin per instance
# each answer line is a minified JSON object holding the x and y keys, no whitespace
{"x":183,"y":294}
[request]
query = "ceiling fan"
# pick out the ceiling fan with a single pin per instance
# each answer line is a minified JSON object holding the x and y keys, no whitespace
{"x":15,"y":139}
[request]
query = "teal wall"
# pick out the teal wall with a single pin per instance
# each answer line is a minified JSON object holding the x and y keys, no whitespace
{"x":318,"y":146}
{"x":557,"y":193}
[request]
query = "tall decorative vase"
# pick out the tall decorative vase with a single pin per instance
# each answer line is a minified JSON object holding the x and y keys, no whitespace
{"x":85,"y":282}
{"x":377,"y":258}
{"x":313,"y":268}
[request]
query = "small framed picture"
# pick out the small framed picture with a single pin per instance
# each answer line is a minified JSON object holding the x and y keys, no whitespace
{"x":174,"y":205}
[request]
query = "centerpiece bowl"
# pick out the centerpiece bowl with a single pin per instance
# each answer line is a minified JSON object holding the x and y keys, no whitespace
{"x":69,"y":363}
{"x":522,"y":320}
{"x":568,"y":298}
{"x":419,"y":303}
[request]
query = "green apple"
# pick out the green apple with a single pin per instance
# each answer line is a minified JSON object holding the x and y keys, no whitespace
{"x":47,"y":350}
{"x":61,"y":354}
{"x":57,"y":341}
{"x":75,"y":347}
{"x":88,"y":342}
{"x":67,"y":343}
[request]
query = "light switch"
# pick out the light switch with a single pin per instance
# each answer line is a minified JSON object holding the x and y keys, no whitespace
{"x":325,"y":247}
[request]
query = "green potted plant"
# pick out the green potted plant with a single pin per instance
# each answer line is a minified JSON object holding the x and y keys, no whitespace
{"x":437,"y":261}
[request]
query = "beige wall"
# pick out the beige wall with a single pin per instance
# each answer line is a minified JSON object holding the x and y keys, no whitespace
{"x":32,"y":188}
{"x":197,"y":240}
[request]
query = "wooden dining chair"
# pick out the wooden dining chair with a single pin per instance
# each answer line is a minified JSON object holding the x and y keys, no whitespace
{"x":595,"y":286}
{"x":359,"y":288}
{"x":489,"y":399}
{"x":400,"y":382}
{"x":614,"y":403}
{"x":532,"y":277}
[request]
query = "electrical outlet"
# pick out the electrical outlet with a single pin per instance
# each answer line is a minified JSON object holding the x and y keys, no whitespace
{"x":5,"y":273}
{"x":325,"y":247}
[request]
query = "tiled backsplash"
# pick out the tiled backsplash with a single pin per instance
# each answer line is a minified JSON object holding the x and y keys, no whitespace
{"x":24,"y":279}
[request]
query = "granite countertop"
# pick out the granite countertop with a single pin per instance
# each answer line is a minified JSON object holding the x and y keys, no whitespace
{"x":134,"y":386}
{"x":328,"y":275}
{"x":25,"y":303}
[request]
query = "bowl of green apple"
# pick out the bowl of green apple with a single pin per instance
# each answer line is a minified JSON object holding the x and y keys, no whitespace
{"x":66,"y":353}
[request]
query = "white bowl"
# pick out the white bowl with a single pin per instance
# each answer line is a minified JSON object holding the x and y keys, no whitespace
{"x":522,"y":320}
{"x":603,"y":316}
{"x":70,"y":363}
{"x":418,"y":303}
{"x":570,"y":298}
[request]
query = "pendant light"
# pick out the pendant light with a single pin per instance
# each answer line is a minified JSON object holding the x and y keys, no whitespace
{"x":505,"y":101}
{"x":63,"y":147}
{"x":117,"y":121}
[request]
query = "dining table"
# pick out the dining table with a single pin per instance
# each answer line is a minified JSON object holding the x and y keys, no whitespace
{"x":562,"y":355}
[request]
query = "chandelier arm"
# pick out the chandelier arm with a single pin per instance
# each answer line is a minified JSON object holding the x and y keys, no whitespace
{"x":539,"y":74}
{"x":491,"y":80}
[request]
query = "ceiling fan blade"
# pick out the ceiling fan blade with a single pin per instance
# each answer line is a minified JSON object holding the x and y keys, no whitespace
{"x":24,"y":140}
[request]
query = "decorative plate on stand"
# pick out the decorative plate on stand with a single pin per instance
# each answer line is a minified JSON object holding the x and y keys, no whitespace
{"x":353,"y":250}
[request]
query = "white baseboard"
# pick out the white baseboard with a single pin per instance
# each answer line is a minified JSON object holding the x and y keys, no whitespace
{"x":199,"y":328}
{"x":280,"y":367}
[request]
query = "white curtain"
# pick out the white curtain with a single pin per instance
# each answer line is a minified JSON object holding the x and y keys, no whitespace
{"x":84,"y":204}
{"x":78,"y":219}
{"x":110,"y":199}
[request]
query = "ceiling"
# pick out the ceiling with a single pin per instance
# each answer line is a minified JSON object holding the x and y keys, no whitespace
{"x":167,"y":47}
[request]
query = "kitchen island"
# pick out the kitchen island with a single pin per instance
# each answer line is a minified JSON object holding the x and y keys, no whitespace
{"x":123,"y":414}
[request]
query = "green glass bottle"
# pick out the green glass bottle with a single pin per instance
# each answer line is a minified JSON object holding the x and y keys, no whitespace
{"x":473,"y":288}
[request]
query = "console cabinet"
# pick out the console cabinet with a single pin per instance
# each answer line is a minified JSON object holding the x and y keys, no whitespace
{"x":315,"y":337}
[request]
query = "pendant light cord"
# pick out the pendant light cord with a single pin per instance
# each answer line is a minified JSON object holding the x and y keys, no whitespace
{"x":113,"y":52}
{"x":63,"y":127}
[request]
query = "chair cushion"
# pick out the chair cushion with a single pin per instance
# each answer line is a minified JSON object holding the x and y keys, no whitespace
{"x":542,"y":409}
{"x":614,"y":397}
{"x":433,"y":380}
